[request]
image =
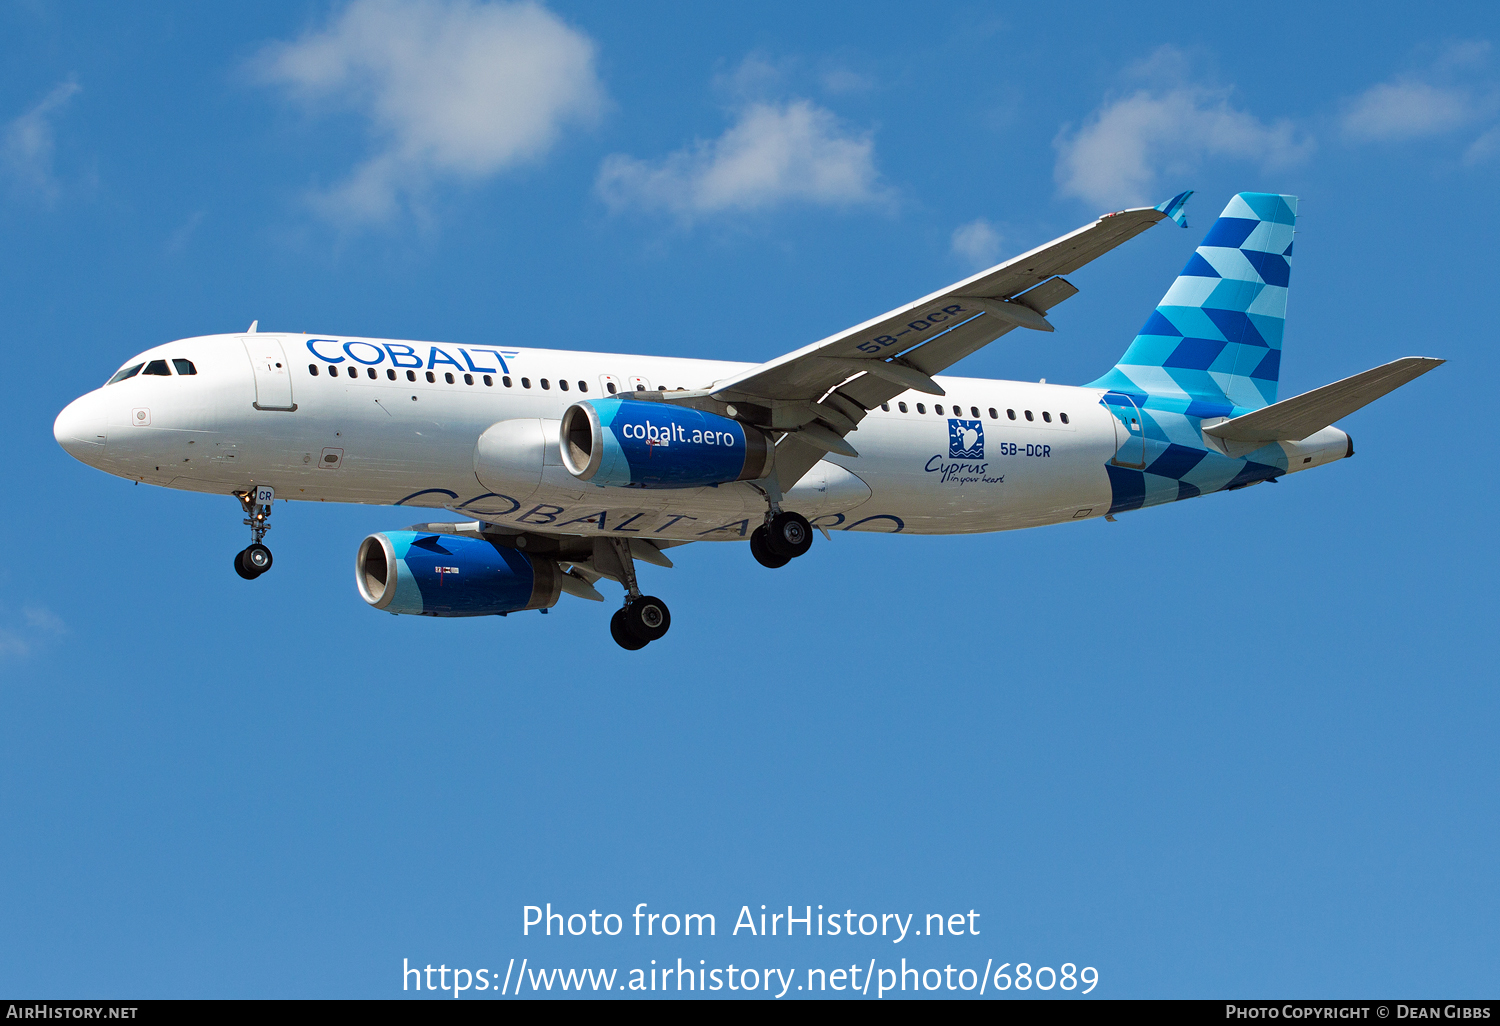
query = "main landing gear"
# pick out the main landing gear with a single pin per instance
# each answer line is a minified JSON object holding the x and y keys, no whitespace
{"x":255,"y":560}
{"x":784,"y":536}
{"x":644,"y":618}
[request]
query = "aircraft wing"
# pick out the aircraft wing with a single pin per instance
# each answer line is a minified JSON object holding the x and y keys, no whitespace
{"x":819,"y":393}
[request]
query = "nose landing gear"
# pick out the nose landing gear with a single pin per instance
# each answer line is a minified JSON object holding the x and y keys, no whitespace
{"x":255,"y":560}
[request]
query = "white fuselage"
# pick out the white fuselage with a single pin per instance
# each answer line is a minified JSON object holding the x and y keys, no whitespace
{"x":372,"y":439}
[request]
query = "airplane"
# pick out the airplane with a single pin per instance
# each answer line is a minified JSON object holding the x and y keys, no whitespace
{"x":574,"y":466}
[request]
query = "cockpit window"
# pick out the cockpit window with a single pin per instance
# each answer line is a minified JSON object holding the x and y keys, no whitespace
{"x":157,"y":367}
{"x":126,"y":372}
{"x":184,"y":367}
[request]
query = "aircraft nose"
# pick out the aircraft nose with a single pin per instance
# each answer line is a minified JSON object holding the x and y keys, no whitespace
{"x":80,"y":429}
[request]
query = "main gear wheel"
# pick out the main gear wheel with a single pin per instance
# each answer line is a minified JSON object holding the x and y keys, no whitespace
{"x":789,"y":534}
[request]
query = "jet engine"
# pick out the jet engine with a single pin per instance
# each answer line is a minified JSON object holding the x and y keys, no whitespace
{"x":622,"y":441}
{"x":429,"y":573}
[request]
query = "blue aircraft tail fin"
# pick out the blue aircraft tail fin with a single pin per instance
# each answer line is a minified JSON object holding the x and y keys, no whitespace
{"x":1216,"y":335}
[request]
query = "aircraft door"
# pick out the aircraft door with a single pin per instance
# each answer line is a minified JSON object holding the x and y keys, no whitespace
{"x":273,"y":378}
{"x":1130,"y":430}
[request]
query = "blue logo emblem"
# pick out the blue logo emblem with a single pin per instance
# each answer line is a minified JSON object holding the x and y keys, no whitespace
{"x":966,"y":439}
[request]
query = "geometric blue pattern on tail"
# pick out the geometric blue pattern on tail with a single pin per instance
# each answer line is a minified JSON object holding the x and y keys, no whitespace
{"x":1216,"y":335}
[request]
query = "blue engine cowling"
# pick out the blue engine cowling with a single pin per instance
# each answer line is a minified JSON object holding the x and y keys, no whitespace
{"x":433,"y":573}
{"x":623,"y":441}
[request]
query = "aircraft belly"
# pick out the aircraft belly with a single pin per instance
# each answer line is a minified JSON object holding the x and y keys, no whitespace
{"x":727,"y":512}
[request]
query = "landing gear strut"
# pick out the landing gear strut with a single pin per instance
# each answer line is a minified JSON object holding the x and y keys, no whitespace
{"x":644,"y":618}
{"x":784,"y":536}
{"x":251,"y":562}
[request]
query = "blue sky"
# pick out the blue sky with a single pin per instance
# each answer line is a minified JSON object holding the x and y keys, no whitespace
{"x":1242,"y":745}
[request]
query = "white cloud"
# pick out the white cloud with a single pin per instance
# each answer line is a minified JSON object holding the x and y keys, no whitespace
{"x":1483,"y":148}
{"x":842,"y":80}
{"x":184,"y":234}
{"x":37,"y":625}
{"x":774,"y":153}
{"x":1440,"y":99}
{"x":1393,"y":111}
{"x":40,"y":618}
{"x":1124,"y":148}
{"x":27,"y":145}
{"x":452,"y":89}
{"x":977,"y":243}
{"x":761,"y":76}
{"x":756,"y":77}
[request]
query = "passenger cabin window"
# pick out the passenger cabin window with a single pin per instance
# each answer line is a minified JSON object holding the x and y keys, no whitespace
{"x":611,"y":386}
{"x":1029,"y":416}
{"x":354,"y":372}
{"x":921,"y":408}
{"x":1047,"y":416}
{"x":583,"y":386}
{"x":468,"y":379}
{"x":525,"y":382}
{"x":938,"y":409}
{"x":886,"y":407}
{"x":1011,"y":414}
{"x":157,"y":367}
{"x":1064,"y":417}
{"x":993,"y":414}
{"x":126,"y":372}
{"x":489,"y":381}
{"x":370,"y":373}
{"x":505,"y":380}
{"x":431,"y":378}
{"x":562,"y":383}
{"x":901,"y":407}
{"x":390,"y":374}
{"x":312,"y":369}
{"x":974,"y":412}
{"x":448,"y":377}
{"x":184,"y":367}
{"x":546,"y":384}
{"x":411,"y":375}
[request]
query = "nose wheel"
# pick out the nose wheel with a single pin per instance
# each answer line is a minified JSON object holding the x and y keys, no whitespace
{"x":255,"y":560}
{"x":250,"y":563}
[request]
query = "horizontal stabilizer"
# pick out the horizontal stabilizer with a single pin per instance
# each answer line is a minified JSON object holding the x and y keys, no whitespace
{"x":1292,"y":420}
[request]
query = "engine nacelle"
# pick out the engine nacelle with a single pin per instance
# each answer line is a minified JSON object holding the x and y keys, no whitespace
{"x":429,"y":573}
{"x":623,"y":441}
{"x":515,"y":458}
